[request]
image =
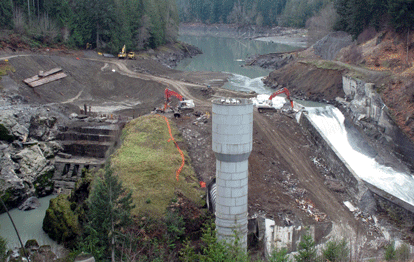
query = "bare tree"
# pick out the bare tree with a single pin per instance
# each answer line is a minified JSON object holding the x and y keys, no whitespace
{"x":240,"y":15}
{"x":19,"y":20}
{"x":321,"y":24}
{"x":143,"y":35}
{"x":171,"y":26}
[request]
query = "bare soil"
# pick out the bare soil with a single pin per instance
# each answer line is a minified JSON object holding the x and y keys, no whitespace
{"x":285,"y":181}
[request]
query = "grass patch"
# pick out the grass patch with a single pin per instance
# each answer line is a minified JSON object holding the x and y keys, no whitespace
{"x":4,"y":67}
{"x":147,"y":163}
{"x":324,"y":64}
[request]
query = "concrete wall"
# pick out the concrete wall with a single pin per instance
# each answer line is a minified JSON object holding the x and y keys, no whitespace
{"x":360,"y":190}
{"x":369,"y":111}
{"x":336,"y":163}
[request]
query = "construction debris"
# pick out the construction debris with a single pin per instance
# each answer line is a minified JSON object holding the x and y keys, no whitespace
{"x":45,"y":77}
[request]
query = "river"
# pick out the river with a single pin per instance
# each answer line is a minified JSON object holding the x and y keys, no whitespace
{"x":28,"y":223}
{"x":222,"y":54}
{"x":227,"y":55}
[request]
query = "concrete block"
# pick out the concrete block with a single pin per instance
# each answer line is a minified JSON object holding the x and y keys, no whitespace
{"x":233,"y":183}
{"x":239,"y":175}
{"x":239,"y":192}
{"x":238,"y":209}
{"x":241,"y":201}
{"x":222,"y":209}
{"x":244,"y":181}
{"x":220,"y":182}
{"x":248,"y":118}
{"x":225,"y":175}
{"x":242,"y":166}
{"x":216,"y":146}
{"x":232,"y":217}
{"x":223,"y":192}
{"x":228,"y":201}
{"x":228,"y":167}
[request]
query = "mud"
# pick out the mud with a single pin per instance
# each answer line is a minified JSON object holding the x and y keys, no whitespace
{"x":284,"y":178}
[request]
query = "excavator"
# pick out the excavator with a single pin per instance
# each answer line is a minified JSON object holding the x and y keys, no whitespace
{"x":123,"y":53}
{"x":268,"y":106}
{"x":183,"y":104}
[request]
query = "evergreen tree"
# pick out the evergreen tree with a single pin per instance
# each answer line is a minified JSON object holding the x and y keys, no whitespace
{"x":3,"y":249}
{"x":336,"y":251}
{"x":306,"y":249}
{"x":402,"y":14}
{"x":6,"y":14}
{"x":109,"y":209}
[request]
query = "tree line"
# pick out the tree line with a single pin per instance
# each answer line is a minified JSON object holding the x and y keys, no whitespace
{"x":355,"y":15}
{"x":292,"y":13}
{"x":105,"y":24}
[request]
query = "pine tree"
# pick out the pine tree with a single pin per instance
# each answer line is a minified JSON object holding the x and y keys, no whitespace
{"x":306,"y":249}
{"x":3,"y":249}
{"x":109,"y":209}
{"x":401,"y":14}
{"x":6,"y":14}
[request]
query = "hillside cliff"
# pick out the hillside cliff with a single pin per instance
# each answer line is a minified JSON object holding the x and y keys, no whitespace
{"x":385,"y":60}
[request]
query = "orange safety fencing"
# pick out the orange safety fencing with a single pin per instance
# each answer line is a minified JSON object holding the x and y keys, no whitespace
{"x":179,"y":150}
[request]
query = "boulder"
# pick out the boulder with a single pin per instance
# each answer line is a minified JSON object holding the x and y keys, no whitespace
{"x":32,"y":162}
{"x":43,"y":128}
{"x":29,"y":204}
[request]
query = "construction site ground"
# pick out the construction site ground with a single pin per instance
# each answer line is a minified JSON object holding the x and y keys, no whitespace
{"x":287,"y":181}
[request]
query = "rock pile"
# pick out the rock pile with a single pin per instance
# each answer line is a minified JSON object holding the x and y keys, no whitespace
{"x":27,"y":148}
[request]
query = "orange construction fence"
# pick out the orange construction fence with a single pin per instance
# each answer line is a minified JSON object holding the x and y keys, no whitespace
{"x":179,"y":150}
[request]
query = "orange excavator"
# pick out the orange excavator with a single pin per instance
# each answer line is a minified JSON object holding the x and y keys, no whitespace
{"x":268,"y":106}
{"x":168,"y":94}
{"x":183,"y":104}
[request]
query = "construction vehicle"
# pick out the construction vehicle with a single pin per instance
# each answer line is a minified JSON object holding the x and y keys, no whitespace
{"x":122,"y":54}
{"x":131,"y":55}
{"x":183,"y":104}
{"x":268,"y":106}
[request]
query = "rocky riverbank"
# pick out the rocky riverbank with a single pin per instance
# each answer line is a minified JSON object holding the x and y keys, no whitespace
{"x":29,"y":125}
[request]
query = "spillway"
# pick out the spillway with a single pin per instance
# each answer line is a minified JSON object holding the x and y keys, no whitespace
{"x":330,"y":121}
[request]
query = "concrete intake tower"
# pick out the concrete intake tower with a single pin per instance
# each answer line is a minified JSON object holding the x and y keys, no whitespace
{"x":232,"y":144}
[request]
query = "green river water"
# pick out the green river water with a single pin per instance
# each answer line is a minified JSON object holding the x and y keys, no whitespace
{"x":219,"y":54}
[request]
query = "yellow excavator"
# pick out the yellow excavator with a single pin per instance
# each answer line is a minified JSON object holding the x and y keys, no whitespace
{"x":122,"y":54}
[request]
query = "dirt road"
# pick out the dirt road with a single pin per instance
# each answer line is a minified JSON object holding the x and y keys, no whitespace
{"x":283,"y":175}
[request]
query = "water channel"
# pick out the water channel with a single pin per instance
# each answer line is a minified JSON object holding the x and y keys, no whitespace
{"x":219,"y":54}
{"x":29,"y":225}
{"x":227,"y":55}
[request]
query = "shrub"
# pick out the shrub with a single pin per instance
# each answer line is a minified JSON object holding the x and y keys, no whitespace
{"x":279,"y":255}
{"x":403,"y":253}
{"x":336,"y":251}
{"x":3,"y":249}
{"x":306,"y":250}
{"x":390,"y":252}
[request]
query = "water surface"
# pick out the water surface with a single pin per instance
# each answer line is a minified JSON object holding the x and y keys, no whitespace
{"x":28,"y":223}
{"x":222,"y":54}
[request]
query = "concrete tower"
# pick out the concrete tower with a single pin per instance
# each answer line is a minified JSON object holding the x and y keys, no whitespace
{"x":232,"y":144}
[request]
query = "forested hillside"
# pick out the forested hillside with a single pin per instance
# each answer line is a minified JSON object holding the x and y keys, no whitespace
{"x":106,"y":24}
{"x":250,"y":12}
{"x":355,"y":15}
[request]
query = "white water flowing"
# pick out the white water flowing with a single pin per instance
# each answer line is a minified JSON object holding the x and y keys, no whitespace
{"x":331,"y":122}
{"x":244,"y":83}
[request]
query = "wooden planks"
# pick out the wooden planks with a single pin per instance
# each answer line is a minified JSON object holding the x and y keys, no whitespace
{"x":45,"y":77}
{"x":50,"y":72}
{"x":45,"y":80}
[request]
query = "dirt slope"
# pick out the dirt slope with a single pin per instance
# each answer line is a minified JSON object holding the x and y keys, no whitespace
{"x":284,"y":179}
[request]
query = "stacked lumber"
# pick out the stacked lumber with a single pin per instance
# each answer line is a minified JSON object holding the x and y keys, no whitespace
{"x":45,"y":77}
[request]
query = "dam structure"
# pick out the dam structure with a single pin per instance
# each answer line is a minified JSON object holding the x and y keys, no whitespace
{"x":232,"y":141}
